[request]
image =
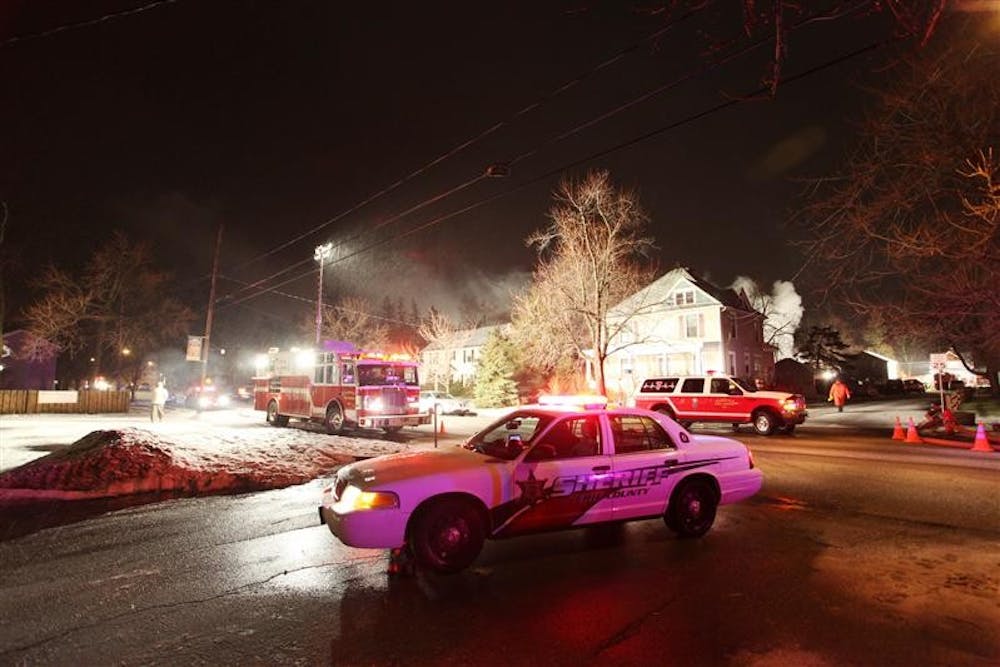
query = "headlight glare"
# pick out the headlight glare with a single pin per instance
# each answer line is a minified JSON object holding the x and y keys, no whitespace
{"x":354,"y":499}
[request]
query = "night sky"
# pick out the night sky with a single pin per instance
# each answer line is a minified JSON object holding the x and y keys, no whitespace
{"x":273,"y":118}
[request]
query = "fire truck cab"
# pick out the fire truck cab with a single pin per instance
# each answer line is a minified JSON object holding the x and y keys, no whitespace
{"x":340,"y":387}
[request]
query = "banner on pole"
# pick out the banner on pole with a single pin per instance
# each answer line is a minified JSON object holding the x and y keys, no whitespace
{"x":194,"y":348}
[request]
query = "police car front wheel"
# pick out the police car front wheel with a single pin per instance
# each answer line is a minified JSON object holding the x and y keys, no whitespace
{"x":447,"y":535}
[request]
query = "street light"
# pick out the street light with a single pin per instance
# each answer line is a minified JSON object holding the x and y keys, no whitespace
{"x":321,"y":254}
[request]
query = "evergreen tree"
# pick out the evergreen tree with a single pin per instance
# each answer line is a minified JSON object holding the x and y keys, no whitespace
{"x":822,"y":348}
{"x":495,"y":385}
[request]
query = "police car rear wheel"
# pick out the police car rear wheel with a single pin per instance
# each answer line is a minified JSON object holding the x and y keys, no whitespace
{"x":763,"y":423}
{"x":447,"y":536}
{"x":692,"y":509}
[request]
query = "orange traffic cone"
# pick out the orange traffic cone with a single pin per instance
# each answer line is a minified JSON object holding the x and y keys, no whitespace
{"x":981,"y":444}
{"x":911,"y":434}
{"x":441,"y":427}
{"x":897,"y":431}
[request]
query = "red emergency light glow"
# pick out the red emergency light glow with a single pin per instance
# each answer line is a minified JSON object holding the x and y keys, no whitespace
{"x":395,"y":356}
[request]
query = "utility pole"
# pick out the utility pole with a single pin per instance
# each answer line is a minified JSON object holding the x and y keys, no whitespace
{"x":205,"y":349}
{"x":320,"y":255}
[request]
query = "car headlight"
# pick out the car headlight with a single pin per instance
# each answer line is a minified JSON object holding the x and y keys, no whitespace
{"x":223,"y":400}
{"x":354,"y":499}
{"x":204,"y":401}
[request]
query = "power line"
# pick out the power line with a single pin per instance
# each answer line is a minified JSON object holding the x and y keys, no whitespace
{"x":154,"y":4}
{"x":423,"y":204}
{"x":763,"y":90}
{"x":559,"y":90}
{"x":303,"y":299}
{"x":834,"y":12}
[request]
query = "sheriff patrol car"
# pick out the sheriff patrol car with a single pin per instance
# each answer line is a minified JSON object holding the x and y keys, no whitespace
{"x":722,"y":399}
{"x":539,"y":468}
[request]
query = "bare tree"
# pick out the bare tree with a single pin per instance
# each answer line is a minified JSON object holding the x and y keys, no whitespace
{"x":350,"y":319}
{"x":119,"y":306}
{"x":910,"y":230}
{"x":591,"y":258}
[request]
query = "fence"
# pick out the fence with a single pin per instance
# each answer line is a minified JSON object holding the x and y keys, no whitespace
{"x":88,"y":401}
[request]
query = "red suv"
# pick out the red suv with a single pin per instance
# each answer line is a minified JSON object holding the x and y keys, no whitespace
{"x":722,"y":399}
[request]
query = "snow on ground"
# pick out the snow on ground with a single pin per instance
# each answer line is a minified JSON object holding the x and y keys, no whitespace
{"x":187,"y":453}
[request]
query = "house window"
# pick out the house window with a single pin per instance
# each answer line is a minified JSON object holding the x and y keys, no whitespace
{"x":732,"y":363}
{"x":685,"y":298}
{"x":732,"y":328}
{"x":692,"y":325}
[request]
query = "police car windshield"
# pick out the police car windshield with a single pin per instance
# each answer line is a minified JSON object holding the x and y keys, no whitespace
{"x":519,"y":427}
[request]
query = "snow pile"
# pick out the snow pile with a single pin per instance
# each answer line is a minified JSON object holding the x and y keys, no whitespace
{"x":132,"y":460}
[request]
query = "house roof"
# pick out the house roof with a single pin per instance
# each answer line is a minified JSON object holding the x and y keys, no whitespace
{"x":657,"y":291}
{"x":470,"y":337}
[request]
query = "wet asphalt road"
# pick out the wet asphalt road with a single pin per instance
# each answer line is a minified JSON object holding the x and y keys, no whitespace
{"x":858,"y":551}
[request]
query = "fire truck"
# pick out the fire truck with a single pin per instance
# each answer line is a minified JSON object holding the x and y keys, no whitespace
{"x":340,"y":387}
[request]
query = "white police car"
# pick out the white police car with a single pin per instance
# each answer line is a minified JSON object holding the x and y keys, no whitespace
{"x":539,"y":468}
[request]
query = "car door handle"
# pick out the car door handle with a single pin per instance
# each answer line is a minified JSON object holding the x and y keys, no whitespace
{"x":670,"y":462}
{"x":601,"y":468}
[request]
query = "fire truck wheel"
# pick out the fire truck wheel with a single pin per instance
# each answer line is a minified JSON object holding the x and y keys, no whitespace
{"x":273,"y":418}
{"x":392,"y":429}
{"x":334,"y":421}
{"x":763,"y":422}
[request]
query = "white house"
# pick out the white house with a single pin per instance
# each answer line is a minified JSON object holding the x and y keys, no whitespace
{"x":457,"y":359}
{"x":680,"y":324}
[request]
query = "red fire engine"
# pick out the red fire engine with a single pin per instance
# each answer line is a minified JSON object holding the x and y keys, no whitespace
{"x":339,"y":386}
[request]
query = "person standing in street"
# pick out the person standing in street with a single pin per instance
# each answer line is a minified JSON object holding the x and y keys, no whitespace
{"x":839,"y":394}
{"x":157,"y":403}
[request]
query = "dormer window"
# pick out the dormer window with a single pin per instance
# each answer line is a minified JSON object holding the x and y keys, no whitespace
{"x":681,"y":298}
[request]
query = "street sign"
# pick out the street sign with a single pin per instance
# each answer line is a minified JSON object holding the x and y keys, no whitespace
{"x":939,"y":362}
{"x":194,"y":348}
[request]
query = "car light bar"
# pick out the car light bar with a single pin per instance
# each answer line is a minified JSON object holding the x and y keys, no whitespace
{"x":575,"y":400}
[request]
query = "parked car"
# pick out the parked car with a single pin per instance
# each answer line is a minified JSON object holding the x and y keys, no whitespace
{"x":914,"y":386}
{"x":443,"y":403}
{"x":207,"y":398}
{"x":538,"y":468}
